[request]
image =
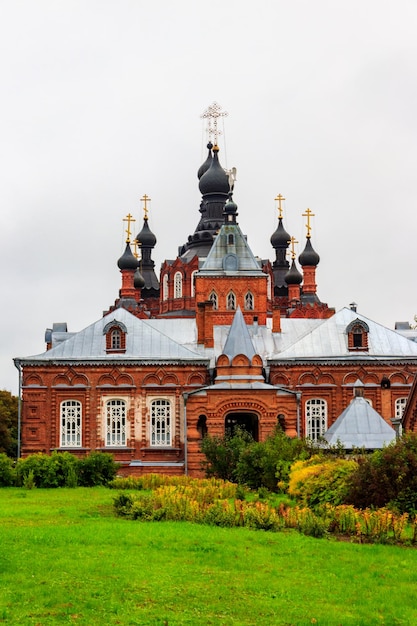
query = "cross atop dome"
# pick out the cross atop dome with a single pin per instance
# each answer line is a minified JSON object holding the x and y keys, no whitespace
{"x":308,"y":214}
{"x":129,"y":219}
{"x":212,"y":114}
{"x":279,"y":199}
{"x":145,"y":199}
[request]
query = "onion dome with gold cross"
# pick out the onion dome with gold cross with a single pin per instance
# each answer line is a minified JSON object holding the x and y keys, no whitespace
{"x":215,"y":180}
{"x":309,"y":256}
{"x":127,"y":261}
{"x":146,"y":240}
{"x":293,"y":276}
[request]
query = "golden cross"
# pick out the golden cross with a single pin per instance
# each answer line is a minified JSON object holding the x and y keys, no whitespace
{"x":145,"y":199}
{"x":135,"y":248}
{"x":129,"y":218}
{"x":293,"y":241}
{"x":308,"y":214}
{"x":279,"y":199}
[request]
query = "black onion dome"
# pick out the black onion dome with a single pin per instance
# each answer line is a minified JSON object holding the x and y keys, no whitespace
{"x":293,"y":276}
{"x":280,"y":238}
{"x":138,"y":280}
{"x":127,"y":261}
{"x":309,"y":256}
{"x":215,"y":180}
{"x":203,"y":168}
{"x":146,"y":238}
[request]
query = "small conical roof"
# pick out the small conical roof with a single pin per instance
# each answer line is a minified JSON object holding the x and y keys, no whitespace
{"x":238,"y":340}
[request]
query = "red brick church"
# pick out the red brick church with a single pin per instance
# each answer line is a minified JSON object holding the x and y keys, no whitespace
{"x":221,"y":338}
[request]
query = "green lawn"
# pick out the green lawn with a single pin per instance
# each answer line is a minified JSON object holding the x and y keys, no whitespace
{"x":64,"y":559}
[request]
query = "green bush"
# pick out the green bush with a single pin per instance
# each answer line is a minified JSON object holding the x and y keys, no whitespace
{"x":321,"y":480}
{"x":223,"y":453}
{"x":98,"y":468}
{"x":49,"y":470}
{"x":388,"y":477}
{"x":7,"y":471}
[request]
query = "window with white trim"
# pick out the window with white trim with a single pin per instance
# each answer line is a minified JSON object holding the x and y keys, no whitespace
{"x":249,"y":306}
{"x":177,"y":285}
{"x":165,"y":287}
{"x":213,"y":298}
{"x":116,"y":339}
{"x":231,"y":301}
{"x":316,"y":418}
{"x":160,"y":422}
{"x":71,"y":423}
{"x":399,"y":407}
{"x":116,"y":411}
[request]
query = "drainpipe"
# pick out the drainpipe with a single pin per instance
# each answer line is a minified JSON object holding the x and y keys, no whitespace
{"x":19,"y":406}
{"x":185,"y":435}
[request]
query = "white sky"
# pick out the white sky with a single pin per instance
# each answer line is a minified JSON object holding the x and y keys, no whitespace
{"x":101,"y":103}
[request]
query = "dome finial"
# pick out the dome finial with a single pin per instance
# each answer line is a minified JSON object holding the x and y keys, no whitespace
{"x":279,"y":199}
{"x":129,"y":219}
{"x":293,"y":241}
{"x":308,"y":214}
{"x":145,"y":199}
{"x":212,"y":114}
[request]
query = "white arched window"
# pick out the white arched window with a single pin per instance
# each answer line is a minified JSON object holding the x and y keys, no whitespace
{"x":160,"y":422}
{"x":269,"y":287}
{"x":193,"y":283}
{"x":115,"y":423}
{"x":316,"y":418}
{"x":399,"y":407}
{"x":116,"y":339}
{"x":71,"y":417}
{"x":213,"y":298}
{"x":249,"y":301}
{"x":177,"y":285}
{"x":231,"y":301}
{"x":165,"y":287}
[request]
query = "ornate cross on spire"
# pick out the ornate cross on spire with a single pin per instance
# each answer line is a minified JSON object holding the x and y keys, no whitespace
{"x":279,"y":199}
{"x":145,"y":199}
{"x":129,"y":219}
{"x":308,"y":214}
{"x":213,"y":113}
{"x":293,"y":241}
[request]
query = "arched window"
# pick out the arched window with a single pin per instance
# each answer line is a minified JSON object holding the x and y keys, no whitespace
{"x":193,"y":283}
{"x":214,"y":300}
{"x":115,"y":423}
{"x":357,"y":333}
{"x":116,"y":339}
{"x":160,"y":423}
{"x":399,"y":407}
{"x":165,"y":287}
{"x":230,"y":239}
{"x":249,"y":301}
{"x":71,"y":418}
{"x":316,"y":418}
{"x":231,"y":301}
{"x":177,"y":285}
{"x":202,"y":426}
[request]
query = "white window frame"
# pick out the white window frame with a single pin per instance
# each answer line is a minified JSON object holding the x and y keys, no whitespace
{"x":115,"y":422}
{"x":160,"y":422}
{"x":315,"y":418}
{"x":116,"y":339}
{"x":165,"y":287}
{"x":249,"y":301}
{"x":177,"y":285}
{"x":231,"y":301}
{"x":70,"y":424}
{"x":399,"y":407}
{"x":213,"y":298}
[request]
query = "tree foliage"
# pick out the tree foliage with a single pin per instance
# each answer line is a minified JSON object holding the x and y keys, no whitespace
{"x":8,"y":423}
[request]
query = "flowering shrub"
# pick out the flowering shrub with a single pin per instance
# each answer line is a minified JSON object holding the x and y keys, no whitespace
{"x":321,"y":480}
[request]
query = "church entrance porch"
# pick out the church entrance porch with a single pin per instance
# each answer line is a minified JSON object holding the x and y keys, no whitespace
{"x":246,"y":421}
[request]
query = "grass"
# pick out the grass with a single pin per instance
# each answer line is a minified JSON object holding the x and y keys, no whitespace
{"x":65,"y":559}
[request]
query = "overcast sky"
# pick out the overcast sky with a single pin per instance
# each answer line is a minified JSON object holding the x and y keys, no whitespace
{"x":101,"y":103}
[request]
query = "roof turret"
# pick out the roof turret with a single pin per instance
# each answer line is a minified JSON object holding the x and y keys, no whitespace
{"x":127,"y":261}
{"x":215,"y":180}
{"x":309,"y":256}
{"x":293,"y":276}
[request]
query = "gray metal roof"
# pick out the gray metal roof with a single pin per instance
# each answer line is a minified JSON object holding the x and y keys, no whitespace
{"x":238,"y":340}
{"x":360,"y":426}
{"x":143,"y":343}
{"x":230,"y":258}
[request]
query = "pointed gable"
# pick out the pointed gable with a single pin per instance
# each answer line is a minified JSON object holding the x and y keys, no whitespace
{"x":238,"y":340}
{"x":230,"y":253}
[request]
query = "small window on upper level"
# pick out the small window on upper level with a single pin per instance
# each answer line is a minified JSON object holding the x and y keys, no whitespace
{"x":231,"y":301}
{"x":357,"y":333}
{"x":115,"y":333}
{"x":178,"y":285}
{"x":193,"y":283}
{"x":213,"y":298}
{"x":165,"y":287}
{"x":249,"y":305}
{"x":230,"y":239}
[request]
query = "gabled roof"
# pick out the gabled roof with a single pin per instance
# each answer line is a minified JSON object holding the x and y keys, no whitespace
{"x":143,"y":343}
{"x":328,"y":340}
{"x":238,"y":340}
{"x":230,"y":258}
{"x":360,"y":426}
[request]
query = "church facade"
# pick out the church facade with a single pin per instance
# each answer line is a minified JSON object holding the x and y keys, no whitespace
{"x":220,"y":339}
